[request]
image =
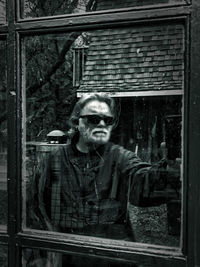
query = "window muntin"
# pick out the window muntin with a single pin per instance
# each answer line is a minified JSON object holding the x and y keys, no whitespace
{"x":3,"y":134}
{"x":35,"y":8}
{"x":50,"y":96}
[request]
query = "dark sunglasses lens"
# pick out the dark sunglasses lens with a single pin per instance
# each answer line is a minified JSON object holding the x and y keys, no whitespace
{"x":95,"y":119}
{"x":109,"y":120}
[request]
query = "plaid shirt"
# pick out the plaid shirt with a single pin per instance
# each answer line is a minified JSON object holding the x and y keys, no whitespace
{"x":78,"y":190}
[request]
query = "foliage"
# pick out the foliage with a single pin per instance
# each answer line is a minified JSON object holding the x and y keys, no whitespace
{"x":39,"y":8}
{"x":49,"y":83}
{"x":49,"y":74}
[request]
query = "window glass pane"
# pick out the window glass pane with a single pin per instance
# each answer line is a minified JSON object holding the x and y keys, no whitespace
{"x":42,"y":258}
{"x":90,"y":186}
{"x":153,"y":134}
{"x":2,"y":11}
{"x":36,"y":8}
{"x":3,"y":256}
{"x":3,"y":135}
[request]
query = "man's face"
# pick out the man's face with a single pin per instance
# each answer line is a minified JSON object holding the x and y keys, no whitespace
{"x":95,"y":123}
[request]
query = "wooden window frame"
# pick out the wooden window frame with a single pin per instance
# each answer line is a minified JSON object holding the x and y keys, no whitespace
{"x":16,"y":238}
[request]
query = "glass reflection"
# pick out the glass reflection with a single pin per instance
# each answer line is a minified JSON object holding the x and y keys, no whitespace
{"x":3,"y":135}
{"x":155,"y":134}
{"x":36,"y":8}
{"x":113,"y":195}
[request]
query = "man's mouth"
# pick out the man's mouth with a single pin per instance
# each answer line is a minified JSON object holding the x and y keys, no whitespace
{"x":100,"y":132}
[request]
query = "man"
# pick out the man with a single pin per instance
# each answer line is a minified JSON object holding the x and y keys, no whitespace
{"x":88,"y":184}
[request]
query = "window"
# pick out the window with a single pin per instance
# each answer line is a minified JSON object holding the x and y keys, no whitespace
{"x":144,"y":55}
{"x":50,"y":93}
{"x":79,"y":57}
{"x":148,"y":57}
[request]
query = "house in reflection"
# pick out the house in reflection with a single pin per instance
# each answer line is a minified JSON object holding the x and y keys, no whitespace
{"x":143,"y":67}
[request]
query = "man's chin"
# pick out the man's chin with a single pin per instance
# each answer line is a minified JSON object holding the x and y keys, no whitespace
{"x":99,"y":141}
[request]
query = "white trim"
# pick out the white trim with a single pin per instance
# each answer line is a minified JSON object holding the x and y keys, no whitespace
{"x":135,"y":93}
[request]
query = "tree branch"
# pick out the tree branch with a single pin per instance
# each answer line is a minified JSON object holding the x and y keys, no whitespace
{"x":91,"y":6}
{"x":60,"y":60}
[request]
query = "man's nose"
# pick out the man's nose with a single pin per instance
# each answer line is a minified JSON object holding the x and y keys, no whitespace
{"x":102,"y":123}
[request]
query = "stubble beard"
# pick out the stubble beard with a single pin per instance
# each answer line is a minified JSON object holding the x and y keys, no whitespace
{"x":97,"y":139}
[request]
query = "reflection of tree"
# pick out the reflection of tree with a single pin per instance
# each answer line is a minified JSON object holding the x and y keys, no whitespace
{"x":55,"y":66}
{"x":49,"y":68}
{"x":49,"y":74}
{"x":49,"y":82}
{"x":39,"y":8}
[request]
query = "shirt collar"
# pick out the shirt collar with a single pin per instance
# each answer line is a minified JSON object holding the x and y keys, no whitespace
{"x":100,"y":149}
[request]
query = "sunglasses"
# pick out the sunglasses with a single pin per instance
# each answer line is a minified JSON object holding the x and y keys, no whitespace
{"x":95,"y":119}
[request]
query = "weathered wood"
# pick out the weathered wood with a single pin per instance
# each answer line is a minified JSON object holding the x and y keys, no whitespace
{"x":104,"y":248}
{"x":193,"y":145}
{"x":98,"y":19}
{"x":138,"y":93}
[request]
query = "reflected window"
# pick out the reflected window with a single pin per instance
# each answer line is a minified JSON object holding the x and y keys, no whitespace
{"x":79,"y":57}
{"x":76,"y":180}
{"x":36,"y":8}
{"x":3,"y":135}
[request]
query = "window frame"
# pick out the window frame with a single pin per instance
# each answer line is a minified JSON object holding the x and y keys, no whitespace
{"x":99,"y":246}
{"x":15,"y":238}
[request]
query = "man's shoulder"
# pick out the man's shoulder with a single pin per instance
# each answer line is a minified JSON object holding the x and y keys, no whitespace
{"x":117,"y":147}
{"x":120,"y":150}
{"x":61,"y":149}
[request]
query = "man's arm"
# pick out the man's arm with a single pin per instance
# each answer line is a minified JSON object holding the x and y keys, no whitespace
{"x":149,"y":184}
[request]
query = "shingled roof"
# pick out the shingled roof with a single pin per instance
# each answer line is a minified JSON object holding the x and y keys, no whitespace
{"x":149,"y":57}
